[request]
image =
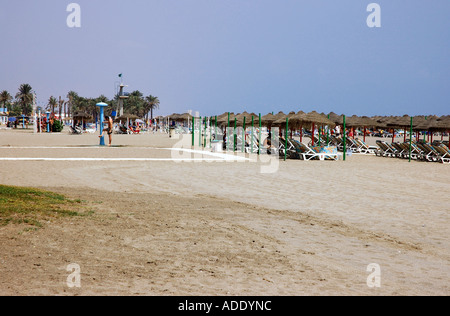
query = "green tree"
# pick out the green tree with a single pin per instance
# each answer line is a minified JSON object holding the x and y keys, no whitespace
{"x":73,"y":97}
{"x":52,"y":103}
{"x":134,"y":104}
{"x":151,"y":104}
{"x":5,"y":98}
{"x":15,"y":110}
{"x":25,"y":98}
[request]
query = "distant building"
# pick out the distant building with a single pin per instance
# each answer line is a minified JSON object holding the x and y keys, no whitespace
{"x":3,"y":115}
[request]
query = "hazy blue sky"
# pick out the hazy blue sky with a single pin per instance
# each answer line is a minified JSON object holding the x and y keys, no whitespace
{"x":214,"y":56}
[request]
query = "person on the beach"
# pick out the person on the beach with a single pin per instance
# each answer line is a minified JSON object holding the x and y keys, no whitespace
{"x":268,"y":142}
{"x":108,"y":129}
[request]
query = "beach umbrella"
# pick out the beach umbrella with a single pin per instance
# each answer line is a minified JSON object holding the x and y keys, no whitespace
{"x":382,"y":121}
{"x":281,"y":120}
{"x":247,"y":116}
{"x":172,"y":117}
{"x":402,"y":122}
{"x":314,"y":118}
{"x":222,"y":120}
{"x":361,"y":122}
{"x":268,"y":119}
{"x":443,"y":124}
{"x":367,"y":122}
{"x":335,"y":118}
{"x":433,"y":125}
{"x":353,"y":122}
{"x":127,"y":117}
{"x":182,"y":117}
{"x":81,"y":115}
{"x":296,"y":120}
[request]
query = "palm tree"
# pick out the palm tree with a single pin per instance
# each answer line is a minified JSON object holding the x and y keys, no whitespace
{"x":5,"y":97}
{"x":52,"y":103}
{"x":151,"y":103}
{"x":25,"y":98}
{"x":134,"y":104}
{"x":73,"y":97}
{"x":60,"y":108}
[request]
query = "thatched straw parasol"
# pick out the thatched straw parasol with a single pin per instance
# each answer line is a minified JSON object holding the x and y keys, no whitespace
{"x":268,"y":119}
{"x":319,"y":119}
{"x":281,"y":121}
{"x":296,"y":120}
{"x":400,"y":122}
{"x":353,"y":121}
{"x":81,"y":116}
{"x":248,"y":118}
{"x":443,"y":122}
{"x":222,"y":120}
{"x":382,"y":121}
{"x":433,"y":125}
{"x":127,"y":116}
{"x":172,"y":117}
{"x":337,"y":119}
{"x":366,"y":121}
{"x":182,"y":117}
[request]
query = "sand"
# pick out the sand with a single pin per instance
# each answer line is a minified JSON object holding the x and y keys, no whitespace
{"x":214,"y":227}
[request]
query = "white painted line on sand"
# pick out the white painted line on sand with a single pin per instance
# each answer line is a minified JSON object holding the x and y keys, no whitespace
{"x":118,"y":159}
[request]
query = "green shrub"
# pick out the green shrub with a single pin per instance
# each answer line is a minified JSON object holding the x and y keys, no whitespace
{"x":57,"y":127}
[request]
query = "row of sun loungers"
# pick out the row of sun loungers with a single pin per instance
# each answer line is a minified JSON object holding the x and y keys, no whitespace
{"x":296,"y":150}
{"x":356,"y":146}
{"x":419,"y":151}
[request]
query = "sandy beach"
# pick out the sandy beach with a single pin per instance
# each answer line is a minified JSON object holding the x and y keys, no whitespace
{"x":187,"y":223}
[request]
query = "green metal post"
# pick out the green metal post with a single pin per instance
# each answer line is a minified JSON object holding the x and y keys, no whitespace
{"x":320,"y":132}
{"x":200,"y":132}
{"x":286,"y":138}
{"x":410,"y":139}
{"x":234,"y":135}
{"x":243,"y":136}
{"x":253,"y":122}
{"x":193,"y":131}
{"x":425,"y":134}
{"x":328,"y":133}
{"x":345,"y":140}
{"x":228,"y":128}
{"x":205,"y":136}
{"x":259,"y":139}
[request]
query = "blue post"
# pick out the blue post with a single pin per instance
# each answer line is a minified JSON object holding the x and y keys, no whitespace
{"x":23,"y":121}
{"x":48,"y":121}
{"x":102,"y":118}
